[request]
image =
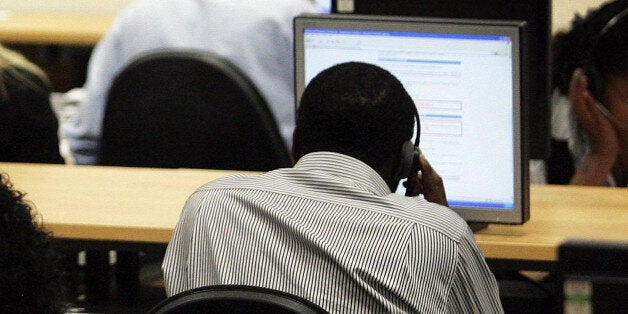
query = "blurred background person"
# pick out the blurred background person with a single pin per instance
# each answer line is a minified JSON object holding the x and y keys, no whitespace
{"x":254,"y":35}
{"x":590,"y":99}
{"x":29,"y":128}
{"x":29,"y":274}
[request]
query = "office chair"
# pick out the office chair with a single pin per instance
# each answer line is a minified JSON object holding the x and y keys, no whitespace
{"x":189,"y":109}
{"x":595,"y":276}
{"x":181,"y":108}
{"x":235,"y":299}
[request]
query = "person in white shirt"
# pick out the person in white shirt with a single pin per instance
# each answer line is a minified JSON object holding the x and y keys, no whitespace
{"x":331,"y":229}
{"x":255,"y":35}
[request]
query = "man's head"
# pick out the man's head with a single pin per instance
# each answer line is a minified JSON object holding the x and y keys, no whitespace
{"x":359,"y":110}
{"x":598,"y":43}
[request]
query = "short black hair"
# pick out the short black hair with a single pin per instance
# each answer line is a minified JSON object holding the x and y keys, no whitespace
{"x":582,"y":46}
{"x":29,"y":274}
{"x":356,"y":109}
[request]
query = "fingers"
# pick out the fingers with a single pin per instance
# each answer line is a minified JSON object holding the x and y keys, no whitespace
{"x":430,"y":183}
{"x":579,"y":94}
{"x":579,"y":81}
{"x":599,"y":128}
{"x":425,"y":165}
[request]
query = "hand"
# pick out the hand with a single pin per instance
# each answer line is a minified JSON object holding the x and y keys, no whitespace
{"x":603,"y":138}
{"x":602,"y":135}
{"x":429,"y":183}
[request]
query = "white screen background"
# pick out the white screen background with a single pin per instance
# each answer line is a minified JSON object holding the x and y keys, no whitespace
{"x":463,"y":89}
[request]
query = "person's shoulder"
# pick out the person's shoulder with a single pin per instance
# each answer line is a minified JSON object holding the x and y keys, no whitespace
{"x":275,"y":181}
{"x":226,"y":182}
{"x":431,"y":216}
{"x":244,"y":180}
{"x":138,"y":12}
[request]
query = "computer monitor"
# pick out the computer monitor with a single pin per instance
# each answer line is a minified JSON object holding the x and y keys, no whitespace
{"x":465,"y":78}
{"x":536,"y":13}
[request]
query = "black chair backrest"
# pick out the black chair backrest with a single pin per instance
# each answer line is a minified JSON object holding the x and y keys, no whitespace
{"x":235,"y":299}
{"x":189,"y":109}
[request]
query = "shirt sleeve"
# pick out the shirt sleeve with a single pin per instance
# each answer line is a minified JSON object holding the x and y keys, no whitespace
{"x":474,"y":288}
{"x":189,"y":260}
{"x":84,"y":132}
{"x":177,"y":258}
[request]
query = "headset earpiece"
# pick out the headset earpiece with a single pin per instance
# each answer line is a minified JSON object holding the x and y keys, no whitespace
{"x":596,"y":78}
{"x":409,"y":163}
{"x":407,"y":159}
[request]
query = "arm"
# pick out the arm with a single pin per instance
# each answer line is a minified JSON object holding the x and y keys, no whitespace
{"x":84,"y":131}
{"x":189,"y":262}
{"x":176,"y":260}
{"x":604,"y":143}
{"x":474,"y":288}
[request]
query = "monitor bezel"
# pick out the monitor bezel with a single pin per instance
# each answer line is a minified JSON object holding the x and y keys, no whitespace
{"x":520,"y":213}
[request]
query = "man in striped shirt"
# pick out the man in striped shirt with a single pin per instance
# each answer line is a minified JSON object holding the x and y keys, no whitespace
{"x":330,"y":229}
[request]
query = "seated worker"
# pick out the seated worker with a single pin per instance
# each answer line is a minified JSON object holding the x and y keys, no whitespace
{"x":29,"y":127}
{"x":330,"y":229}
{"x":30,"y":279}
{"x":255,"y":35}
{"x":590,"y":100}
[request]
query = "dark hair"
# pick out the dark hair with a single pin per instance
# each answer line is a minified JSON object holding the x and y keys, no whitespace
{"x":29,"y":275}
{"x":586,"y":46}
{"x":356,"y":109}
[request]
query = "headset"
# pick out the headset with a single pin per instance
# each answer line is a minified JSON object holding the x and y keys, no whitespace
{"x":410,"y":157}
{"x":596,"y":79}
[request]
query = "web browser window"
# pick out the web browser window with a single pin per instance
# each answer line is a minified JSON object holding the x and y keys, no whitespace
{"x":462,"y":85}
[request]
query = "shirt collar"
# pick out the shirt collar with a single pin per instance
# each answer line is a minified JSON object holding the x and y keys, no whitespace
{"x":347,"y":168}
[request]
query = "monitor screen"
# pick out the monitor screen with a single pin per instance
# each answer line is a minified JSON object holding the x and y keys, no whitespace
{"x":464,"y":77}
{"x":536,"y":13}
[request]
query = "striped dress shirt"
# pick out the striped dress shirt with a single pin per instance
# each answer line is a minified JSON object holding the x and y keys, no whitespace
{"x":330,"y":230}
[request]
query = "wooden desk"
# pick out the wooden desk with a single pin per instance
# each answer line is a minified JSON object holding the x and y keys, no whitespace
{"x":108,"y":203}
{"x":94,"y":203}
{"x":559,"y":213}
{"x":50,"y":28}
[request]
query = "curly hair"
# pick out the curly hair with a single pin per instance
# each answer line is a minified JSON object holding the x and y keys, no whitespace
{"x":585,"y":45}
{"x":29,"y":274}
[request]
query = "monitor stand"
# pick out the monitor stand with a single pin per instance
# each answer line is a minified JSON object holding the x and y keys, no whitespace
{"x":477,"y":226}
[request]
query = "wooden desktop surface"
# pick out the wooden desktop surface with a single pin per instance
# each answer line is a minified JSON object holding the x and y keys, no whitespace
{"x":143,"y":205}
{"x":53,"y":28}
{"x":558,"y":213}
{"x":108,"y":203}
